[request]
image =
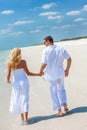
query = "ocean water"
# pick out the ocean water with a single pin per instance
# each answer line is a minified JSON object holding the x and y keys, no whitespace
{"x":5,"y":88}
{"x":9,"y":46}
{"x":4,"y":57}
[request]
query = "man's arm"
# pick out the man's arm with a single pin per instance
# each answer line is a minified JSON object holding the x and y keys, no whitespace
{"x":43,"y":66}
{"x":68,"y":67}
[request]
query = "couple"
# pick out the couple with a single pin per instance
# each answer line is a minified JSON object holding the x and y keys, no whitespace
{"x":51,"y":69}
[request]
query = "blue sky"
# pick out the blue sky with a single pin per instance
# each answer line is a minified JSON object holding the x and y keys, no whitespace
{"x":24,"y":23}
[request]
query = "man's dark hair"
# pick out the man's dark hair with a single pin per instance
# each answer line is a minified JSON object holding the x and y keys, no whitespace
{"x":49,"y":38}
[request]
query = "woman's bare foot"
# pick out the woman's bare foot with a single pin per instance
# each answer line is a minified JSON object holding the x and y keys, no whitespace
{"x":25,"y":122}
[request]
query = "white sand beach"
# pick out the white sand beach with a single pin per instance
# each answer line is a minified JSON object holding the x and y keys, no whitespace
{"x":41,"y":114}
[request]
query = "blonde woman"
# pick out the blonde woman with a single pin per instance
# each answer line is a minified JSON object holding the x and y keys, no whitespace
{"x":20,"y":85}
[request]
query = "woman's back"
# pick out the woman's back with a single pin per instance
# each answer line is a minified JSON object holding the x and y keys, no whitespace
{"x":19,"y":74}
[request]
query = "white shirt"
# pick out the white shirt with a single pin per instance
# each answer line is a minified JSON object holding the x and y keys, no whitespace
{"x":54,"y":56}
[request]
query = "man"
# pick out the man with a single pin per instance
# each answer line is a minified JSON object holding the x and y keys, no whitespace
{"x":52,"y":67}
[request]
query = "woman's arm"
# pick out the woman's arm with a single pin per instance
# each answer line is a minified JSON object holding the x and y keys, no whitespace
{"x":8,"y":73}
{"x":27,"y":70}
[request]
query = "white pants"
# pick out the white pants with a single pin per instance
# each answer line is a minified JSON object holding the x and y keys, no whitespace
{"x":58,"y":93}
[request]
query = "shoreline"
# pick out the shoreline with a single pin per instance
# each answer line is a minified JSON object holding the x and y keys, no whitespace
{"x":68,"y":42}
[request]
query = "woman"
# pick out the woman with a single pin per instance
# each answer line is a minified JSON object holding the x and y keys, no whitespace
{"x":20,"y":84}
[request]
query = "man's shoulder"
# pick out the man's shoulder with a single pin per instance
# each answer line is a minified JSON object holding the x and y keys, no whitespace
{"x":45,"y":50}
{"x":59,"y":47}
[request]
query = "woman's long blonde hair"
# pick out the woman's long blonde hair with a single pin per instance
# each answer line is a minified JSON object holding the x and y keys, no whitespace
{"x":15,"y":58}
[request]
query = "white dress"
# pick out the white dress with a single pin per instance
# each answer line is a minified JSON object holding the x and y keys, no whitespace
{"x":20,"y":92}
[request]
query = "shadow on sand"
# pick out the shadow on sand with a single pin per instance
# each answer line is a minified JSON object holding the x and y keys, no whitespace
{"x":77,"y":110}
{"x":37,"y":119}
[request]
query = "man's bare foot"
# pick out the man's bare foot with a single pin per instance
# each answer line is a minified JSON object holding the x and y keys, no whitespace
{"x":66,"y":109}
{"x":60,"y":113}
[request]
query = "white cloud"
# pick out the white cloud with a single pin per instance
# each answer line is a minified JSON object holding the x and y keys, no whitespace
{"x":47,"y":6}
{"x":17,"y":33}
{"x":63,"y":26}
{"x":79,"y":19}
{"x":10,"y":32}
{"x":24,"y":22}
{"x":72,"y":13}
{"x":4,"y":31}
{"x":84,"y":8}
{"x":41,"y":27}
{"x":35,"y":31}
{"x":66,"y":26}
{"x":7,"y":12}
{"x":77,"y":12}
{"x":48,"y":13}
{"x":54,"y":17}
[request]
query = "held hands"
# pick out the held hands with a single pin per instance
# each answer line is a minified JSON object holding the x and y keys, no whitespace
{"x":41,"y":73}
